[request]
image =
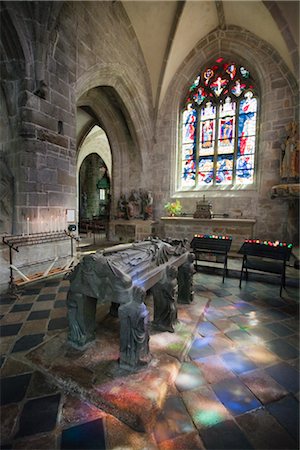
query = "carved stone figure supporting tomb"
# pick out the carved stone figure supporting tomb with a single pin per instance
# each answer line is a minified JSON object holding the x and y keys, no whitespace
{"x":165,"y":297}
{"x":93,"y":278}
{"x":134,"y":332}
{"x":185,"y":280}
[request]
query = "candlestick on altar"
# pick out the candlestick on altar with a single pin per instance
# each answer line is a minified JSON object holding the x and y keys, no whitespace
{"x":27,"y":226}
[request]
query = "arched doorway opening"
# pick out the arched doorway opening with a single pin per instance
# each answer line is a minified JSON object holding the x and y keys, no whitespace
{"x":94,"y":183}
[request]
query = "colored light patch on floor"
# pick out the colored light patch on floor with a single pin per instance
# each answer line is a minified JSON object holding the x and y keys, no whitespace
{"x":189,"y":377}
{"x":238,"y":362}
{"x":237,"y":398}
{"x":204,"y":407}
{"x":201,"y":347}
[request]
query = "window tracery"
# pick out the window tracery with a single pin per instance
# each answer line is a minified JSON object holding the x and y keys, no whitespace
{"x":218,"y":135}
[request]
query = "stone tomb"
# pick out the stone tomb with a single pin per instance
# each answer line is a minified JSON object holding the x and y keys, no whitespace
{"x":92,"y":370}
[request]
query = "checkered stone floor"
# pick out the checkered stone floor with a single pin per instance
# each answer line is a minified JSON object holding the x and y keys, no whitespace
{"x":238,"y":387}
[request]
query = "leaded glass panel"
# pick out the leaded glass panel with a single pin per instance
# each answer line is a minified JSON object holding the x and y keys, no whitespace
{"x":220,"y":120}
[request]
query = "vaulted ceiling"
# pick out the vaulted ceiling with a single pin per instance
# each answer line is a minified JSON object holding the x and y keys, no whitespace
{"x":168,"y":30}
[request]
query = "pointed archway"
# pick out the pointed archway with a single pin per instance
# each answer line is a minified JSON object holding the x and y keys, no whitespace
{"x":94,"y":182}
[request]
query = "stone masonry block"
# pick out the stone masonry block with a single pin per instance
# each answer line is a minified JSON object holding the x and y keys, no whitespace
{"x":65,"y":179}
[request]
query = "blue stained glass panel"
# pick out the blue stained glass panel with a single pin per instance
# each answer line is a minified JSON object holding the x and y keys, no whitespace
{"x":206,"y":171}
{"x":226,"y":135}
{"x":224,"y":169}
{"x":246,"y":145}
{"x":188,"y":173}
{"x":189,"y":125}
{"x":244,"y":169}
{"x":247,"y":116}
{"x":187,"y":151}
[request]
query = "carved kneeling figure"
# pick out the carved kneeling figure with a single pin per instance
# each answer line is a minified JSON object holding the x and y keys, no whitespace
{"x":165,"y":297}
{"x":134,"y":332}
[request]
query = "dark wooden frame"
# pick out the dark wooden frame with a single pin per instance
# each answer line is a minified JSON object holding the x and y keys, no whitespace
{"x":265,"y":258}
{"x":216,"y":246}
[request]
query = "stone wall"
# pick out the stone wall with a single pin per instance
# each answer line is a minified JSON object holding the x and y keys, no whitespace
{"x":278,"y":107}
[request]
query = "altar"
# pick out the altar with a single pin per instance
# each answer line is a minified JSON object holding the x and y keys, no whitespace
{"x":122,"y":230}
{"x":185,"y":226}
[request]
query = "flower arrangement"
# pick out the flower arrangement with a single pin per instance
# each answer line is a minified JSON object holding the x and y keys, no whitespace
{"x":174,"y":208}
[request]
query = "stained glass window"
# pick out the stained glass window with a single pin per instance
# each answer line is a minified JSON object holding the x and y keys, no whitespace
{"x":218,"y":132}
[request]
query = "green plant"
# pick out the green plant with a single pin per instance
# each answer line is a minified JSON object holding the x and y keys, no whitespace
{"x":174,"y":208}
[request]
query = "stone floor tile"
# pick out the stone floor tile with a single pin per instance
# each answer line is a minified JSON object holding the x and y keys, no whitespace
{"x":14,"y":317}
{"x":39,"y":415}
{"x":38,"y":306}
{"x":285,"y":375}
{"x":201,"y":347}
{"x":281,"y":348}
{"x":10,"y":330}
{"x":21,"y":307}
{"x":262,"y":334}
{"x":89,"y":436}
{"x":60,"y":304}
{"x":58,"y":324}
{"x":221,"y":343}
{"x":119,"y":436}
{"x":188,"y":441}
{"x":214,"y":369}
{"x":13,"y":389}
{"x":27,"y":342}
{"x":260,"y":355}
{"x":237,"y":398}
{"x":226,"y":325}
{"x":263,"y":386}
{"x":38,"y":315}
{"x":40,"y":442}
{"x":46,"y":297}
{"x":225,"y":436}
{"x":204,"y":407}
{"x":264,"y":432}
{"x":286,"y":412}
{"x":189,"y":377}
{"x":75,"y":410}
{"x":237,"y":362}
{"x":40,"y":386}
{"x":14,"y":367}
{"x":34,"y":327}
{"x":58,"y":312}
{"x":173,"y":420}
{"x":279,"y":329}
{"x":240,"y":337}
{"x":9,"y":416}
{"x":207,"y":329}
{"x":6,"y":344}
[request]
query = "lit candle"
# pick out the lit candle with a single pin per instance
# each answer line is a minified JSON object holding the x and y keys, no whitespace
{"x":27,"y":220}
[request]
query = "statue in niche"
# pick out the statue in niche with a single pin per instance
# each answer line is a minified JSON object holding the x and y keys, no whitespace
{"x":123,"y":212}
{"x":185,"y":280}
{"x":165,"y":297}
{"x":289,"y":168}
{"x":134,"y":331}
{"x":147,"y":204}
{"x":6,"y":198}
{"x":135,"y":204}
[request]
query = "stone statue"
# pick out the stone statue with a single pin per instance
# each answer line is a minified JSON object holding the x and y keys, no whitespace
{"x":93,"y":278}
{"x":185,"y":280}
{"x":134,"y":331}
{"x":289,"y":168}
{"x":164,"y":297}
